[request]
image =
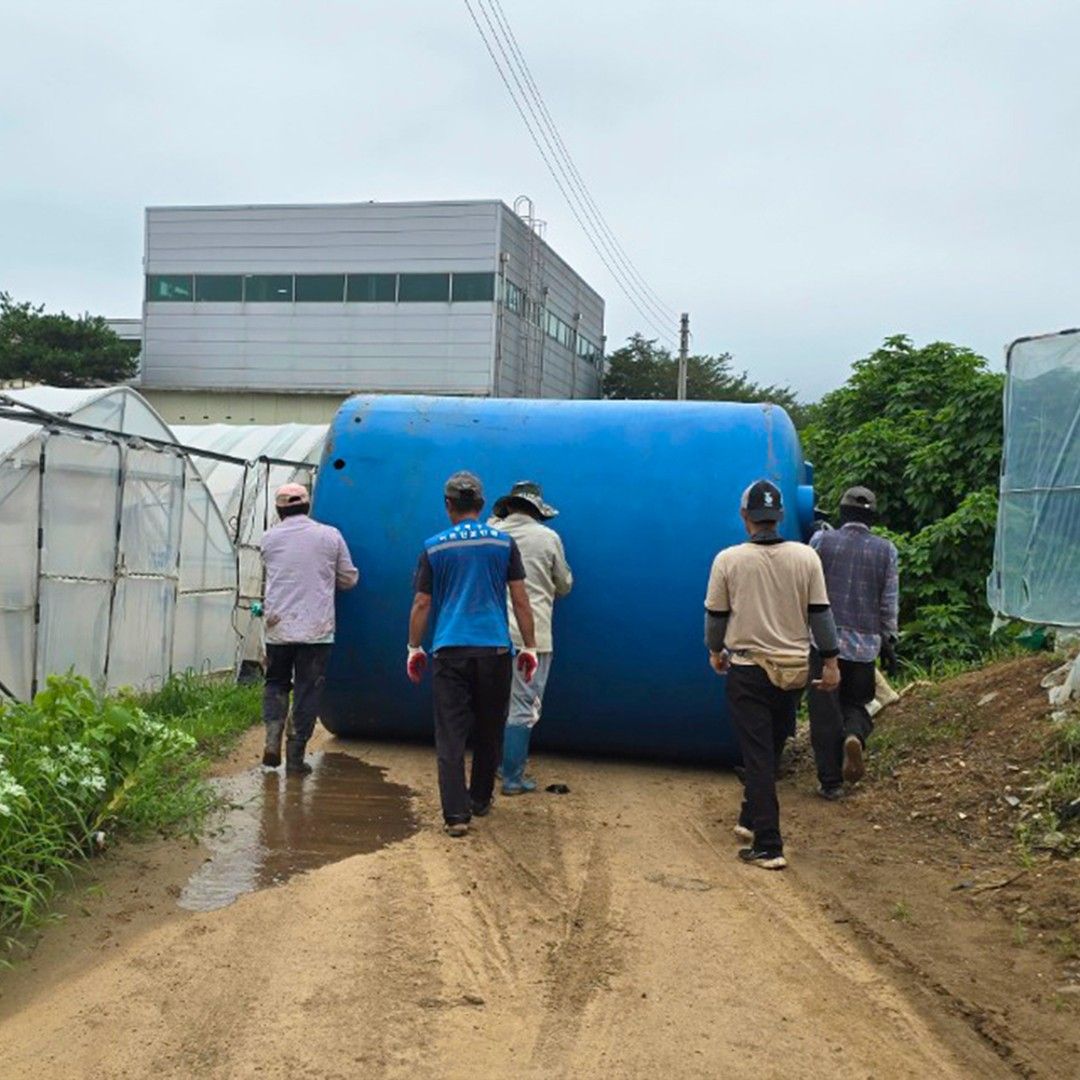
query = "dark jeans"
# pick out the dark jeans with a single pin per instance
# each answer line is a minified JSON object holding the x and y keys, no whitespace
{"x":472,"y":697}
{"x":761,"y":715}
{"x":833,"y":717}
{"x":302,"y":670}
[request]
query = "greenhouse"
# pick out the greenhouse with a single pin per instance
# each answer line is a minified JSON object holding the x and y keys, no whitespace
{"x":250,"y":461}
{"x":1037,"y":548}
{"x":125,"y":554}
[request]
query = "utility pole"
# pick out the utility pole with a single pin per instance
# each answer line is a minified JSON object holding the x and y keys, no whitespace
{"x":684,"y":347}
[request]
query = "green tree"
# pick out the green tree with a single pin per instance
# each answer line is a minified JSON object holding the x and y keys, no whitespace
{"x":644,"y":371}
{"x":60,"y":350}
{"x":922,"y":427}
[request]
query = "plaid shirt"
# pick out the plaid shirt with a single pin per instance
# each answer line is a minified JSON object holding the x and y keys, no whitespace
{"x":862,"y":577}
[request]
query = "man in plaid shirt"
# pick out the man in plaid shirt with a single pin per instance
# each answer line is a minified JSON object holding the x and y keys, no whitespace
{"x":862,"y":580}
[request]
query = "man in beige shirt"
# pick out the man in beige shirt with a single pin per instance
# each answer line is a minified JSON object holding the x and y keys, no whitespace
{"x":763,"y":600}
{"x":522,"y":514}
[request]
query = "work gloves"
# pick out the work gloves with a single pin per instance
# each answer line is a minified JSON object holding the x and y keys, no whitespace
{"x":527,"y":663}
{"x":416,"y":663}
{"x":889,"y":663}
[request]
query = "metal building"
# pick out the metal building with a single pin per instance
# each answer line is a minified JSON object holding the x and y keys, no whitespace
{"x":249,"y":307}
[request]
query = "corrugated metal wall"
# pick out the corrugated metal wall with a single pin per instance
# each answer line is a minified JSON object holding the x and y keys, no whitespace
{"x":531,"y":363}
{"x":339,"y":347}
{"x":416,"y":347}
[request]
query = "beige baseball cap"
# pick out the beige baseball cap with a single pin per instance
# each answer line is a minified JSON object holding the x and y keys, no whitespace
{"x":291,"y":495}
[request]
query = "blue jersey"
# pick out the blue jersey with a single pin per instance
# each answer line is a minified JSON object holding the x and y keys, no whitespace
{"x":465,"y":569}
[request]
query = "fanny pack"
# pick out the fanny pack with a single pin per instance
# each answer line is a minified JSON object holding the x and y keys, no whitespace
{"x":785,"y":672}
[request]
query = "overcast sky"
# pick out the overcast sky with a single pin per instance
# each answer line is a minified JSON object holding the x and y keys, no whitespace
{"x":804,"y":177}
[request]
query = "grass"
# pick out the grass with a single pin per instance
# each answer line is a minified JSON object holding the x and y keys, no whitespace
{"x":77,"y":765}
{"x":895,"y":740}
{"x":1058,"y":785}
{"x":901,"y":912}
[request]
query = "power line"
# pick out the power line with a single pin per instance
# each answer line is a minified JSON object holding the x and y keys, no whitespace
{"x":657,"y":305}
{"x":616,"y":271}
{"x":535,"y":126}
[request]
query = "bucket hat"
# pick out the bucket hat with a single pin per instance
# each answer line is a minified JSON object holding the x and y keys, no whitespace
{"x":528,"y":491}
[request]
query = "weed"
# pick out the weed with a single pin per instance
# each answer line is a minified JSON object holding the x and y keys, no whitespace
{"x":1066,"y":945}
{"x":74,"y":762}
{"x":1019,"y":934}
{"x":901,"y":912}
{"x":896,"y":737}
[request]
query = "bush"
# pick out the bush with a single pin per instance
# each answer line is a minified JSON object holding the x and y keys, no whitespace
{"x":923,"y":428}
{"x":74,"y":762}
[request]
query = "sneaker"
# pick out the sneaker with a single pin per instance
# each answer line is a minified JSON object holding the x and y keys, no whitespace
{"x":767,"y":860}
{"x":853,"y":759}
{"x":481,"y":809}
{"x":271,"y":759}
{"x":744,"y":834}
{"x":301,"y":768}
{"x":456,"y":828}
{"x":522,"y":788}
{"x":832,"y":793}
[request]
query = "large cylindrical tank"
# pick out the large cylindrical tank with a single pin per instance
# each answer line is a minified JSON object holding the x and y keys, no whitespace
{"x":648,"y":492}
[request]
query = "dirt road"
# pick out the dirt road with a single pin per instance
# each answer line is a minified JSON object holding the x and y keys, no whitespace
{"x":606,"y":933}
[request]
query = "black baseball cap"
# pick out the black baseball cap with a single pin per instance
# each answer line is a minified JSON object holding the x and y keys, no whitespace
{"x":860,"y":497}
{"x":762,"y":501}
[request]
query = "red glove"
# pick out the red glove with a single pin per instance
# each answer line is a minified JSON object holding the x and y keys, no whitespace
{"x":417,"y":663}
{"x":527,"y":663}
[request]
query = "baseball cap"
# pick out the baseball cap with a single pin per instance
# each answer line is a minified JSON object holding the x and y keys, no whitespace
{"x":861,"y":497}
{"x":762,"y":501}
{"x":463,"y":483}
{"x":291,"y":495}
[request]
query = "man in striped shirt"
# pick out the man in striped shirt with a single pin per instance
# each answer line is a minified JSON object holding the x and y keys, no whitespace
{"x":862,"y":578}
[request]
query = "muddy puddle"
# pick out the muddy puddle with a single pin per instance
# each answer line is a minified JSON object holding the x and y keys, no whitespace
{"x":276,"y":827}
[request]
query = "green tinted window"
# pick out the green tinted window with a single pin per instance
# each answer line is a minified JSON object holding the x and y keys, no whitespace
{"x":372,"y":288}
{"x":513,"y":297}
{"x":327,"y":288}
{"x":420,"y":288}
{"x":169,"y":287}
{"x":473,"y":287}
{"x":268,"y":288}
{"x":219,"y":287}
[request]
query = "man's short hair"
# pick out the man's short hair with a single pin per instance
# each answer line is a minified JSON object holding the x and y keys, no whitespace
{"x":464,"y":491}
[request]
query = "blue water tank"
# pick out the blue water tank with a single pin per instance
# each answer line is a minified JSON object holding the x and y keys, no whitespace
{"x":647,"y":491}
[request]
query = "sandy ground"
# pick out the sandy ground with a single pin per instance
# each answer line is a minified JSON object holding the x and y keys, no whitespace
{"x":610,"y":932}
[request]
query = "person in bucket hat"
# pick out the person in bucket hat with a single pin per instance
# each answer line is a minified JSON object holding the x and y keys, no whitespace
{"x":306,"y":562}
{"x":521,"y":514}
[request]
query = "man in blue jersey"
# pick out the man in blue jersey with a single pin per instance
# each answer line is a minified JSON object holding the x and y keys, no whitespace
{"x":463,"y":574}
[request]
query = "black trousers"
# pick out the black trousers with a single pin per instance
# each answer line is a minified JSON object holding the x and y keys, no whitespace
{"x":301,"y":669}
{"x":833,"y":717}
{"x":761,"y":715}
{"x":472,"y":697}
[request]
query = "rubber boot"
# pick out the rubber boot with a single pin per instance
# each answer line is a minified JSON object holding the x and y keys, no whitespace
{"x":275,"y":729}
{"x":515,"y":755}
{"x":295,"y":765}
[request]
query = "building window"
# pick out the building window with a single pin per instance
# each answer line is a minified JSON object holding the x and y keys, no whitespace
{"x":220,"y":288}
{"x":320,"y":288}
{"x":268,"y":288}
{"x":423,"y":288}
{"x":371,"y":288}
{"x":471,"y":287}
{"x":165,"y":287}
{"x":513,"y":297}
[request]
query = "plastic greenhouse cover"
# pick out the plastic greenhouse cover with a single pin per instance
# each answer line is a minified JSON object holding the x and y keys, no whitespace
{"x":1036,"y":574}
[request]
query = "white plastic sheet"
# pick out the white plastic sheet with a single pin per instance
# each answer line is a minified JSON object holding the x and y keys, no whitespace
{"x":1036,"y":574}
{"x":136,"y":573}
